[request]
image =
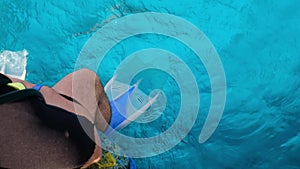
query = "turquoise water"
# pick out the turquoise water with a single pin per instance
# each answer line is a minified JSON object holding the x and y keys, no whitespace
{"x":258,"y":44}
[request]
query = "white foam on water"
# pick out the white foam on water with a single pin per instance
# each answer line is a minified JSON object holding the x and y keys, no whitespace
{"x":13,"y":63}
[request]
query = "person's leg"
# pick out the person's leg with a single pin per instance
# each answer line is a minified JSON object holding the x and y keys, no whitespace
{"x":55,"y":99}
{"x":89,"y":93}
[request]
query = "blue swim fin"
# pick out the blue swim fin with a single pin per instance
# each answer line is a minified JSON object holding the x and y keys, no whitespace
{"x":118,"y":109}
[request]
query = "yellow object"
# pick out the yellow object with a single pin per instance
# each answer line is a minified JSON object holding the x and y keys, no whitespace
{"x":17,"y":85}
{"x":110,"y":161}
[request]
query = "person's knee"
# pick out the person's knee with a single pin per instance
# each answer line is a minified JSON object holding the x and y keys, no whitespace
{"x":86,"y":71}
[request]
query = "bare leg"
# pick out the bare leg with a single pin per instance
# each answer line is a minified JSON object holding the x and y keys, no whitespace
{"x":53,"y":98}
{"x":89,"y":93}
